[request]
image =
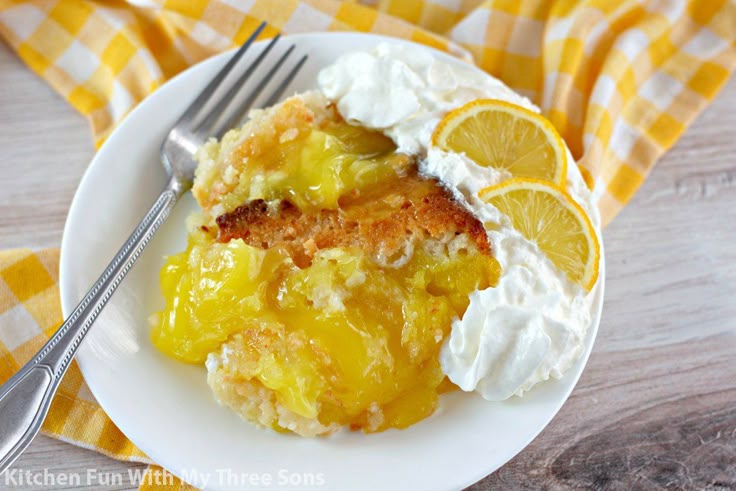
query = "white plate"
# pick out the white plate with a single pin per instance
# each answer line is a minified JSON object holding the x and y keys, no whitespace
{"x":166,"y":408}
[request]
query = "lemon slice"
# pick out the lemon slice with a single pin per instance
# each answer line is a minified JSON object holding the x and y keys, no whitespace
{"x":546,"y":215}
{"x":504,"y":136}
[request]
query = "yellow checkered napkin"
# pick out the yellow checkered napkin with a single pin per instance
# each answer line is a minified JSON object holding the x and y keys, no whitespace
{"x":30,"y":312}
{"x":620,"y":79}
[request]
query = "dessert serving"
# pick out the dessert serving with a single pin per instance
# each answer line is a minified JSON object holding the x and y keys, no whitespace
{"x":407,"y":229}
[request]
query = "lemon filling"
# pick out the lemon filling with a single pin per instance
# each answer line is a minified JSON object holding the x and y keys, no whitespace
{"x":331,"y":340}
{"x":341,"y":339}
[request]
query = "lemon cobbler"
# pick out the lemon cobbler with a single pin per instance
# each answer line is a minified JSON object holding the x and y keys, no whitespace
{"x":411,"y":227}
{"x":322,"y":275}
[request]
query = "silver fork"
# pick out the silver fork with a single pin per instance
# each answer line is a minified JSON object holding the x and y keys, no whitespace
{"x":26,"y":397}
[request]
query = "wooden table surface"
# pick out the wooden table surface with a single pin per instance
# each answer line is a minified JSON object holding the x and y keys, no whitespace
{"x":656,"y":405}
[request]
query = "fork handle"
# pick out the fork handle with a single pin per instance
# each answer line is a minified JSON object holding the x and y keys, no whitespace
{"x":26,"y":397}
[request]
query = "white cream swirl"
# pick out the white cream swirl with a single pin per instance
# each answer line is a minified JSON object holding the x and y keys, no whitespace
{"x":404,"y":91}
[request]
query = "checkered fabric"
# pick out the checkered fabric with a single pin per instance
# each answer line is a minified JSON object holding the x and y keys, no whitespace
{"x":620,"y":79}
{"x":30,"y":312}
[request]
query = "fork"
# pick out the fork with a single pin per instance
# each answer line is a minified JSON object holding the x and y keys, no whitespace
{"x":26,"y":397}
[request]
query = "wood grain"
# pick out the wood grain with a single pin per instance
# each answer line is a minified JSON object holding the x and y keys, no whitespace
{"x":46,"y":148}
{"x":656,"y":405}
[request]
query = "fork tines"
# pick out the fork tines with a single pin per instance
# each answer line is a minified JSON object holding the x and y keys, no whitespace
{"x":218,"y":108}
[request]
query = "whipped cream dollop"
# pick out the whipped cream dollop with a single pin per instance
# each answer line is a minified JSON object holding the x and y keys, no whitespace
{"x":404,"y":91}
{"x":532,"y":325}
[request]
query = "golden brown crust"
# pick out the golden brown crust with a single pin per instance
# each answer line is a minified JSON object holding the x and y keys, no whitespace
{"x":381,"y":222}
{"x":221,"y":163}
